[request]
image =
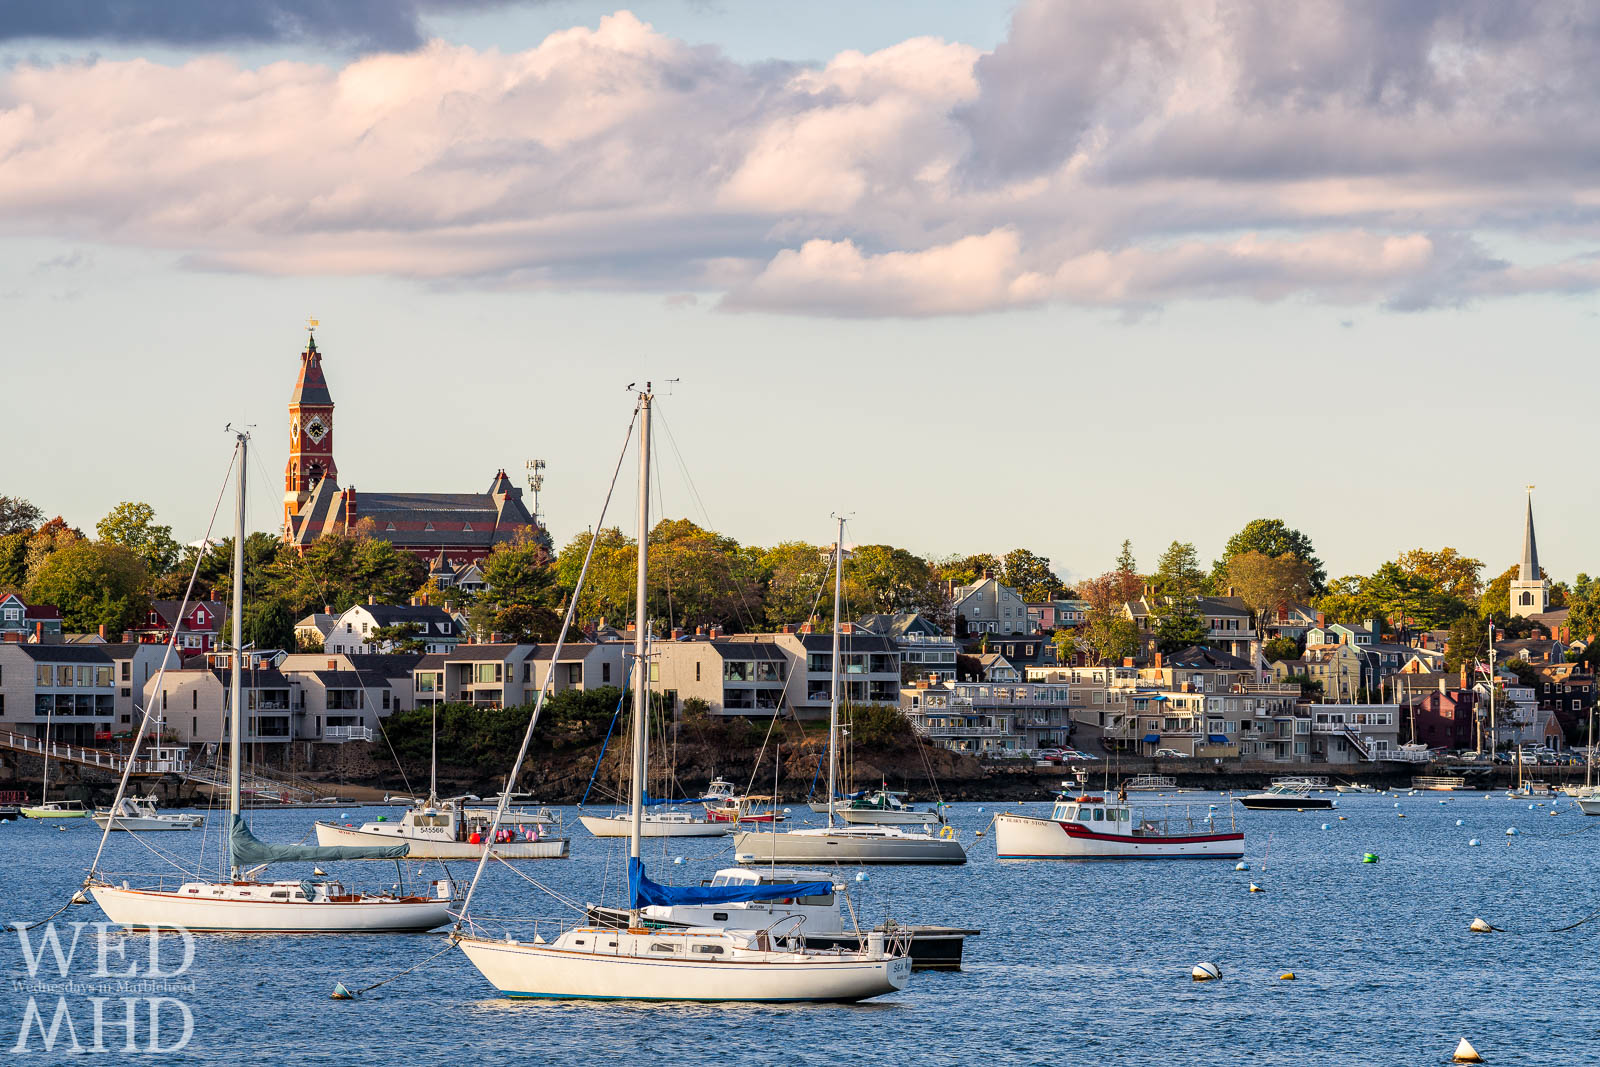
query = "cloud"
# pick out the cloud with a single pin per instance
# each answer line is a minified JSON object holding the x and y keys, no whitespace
{"x":361,"y":25}
{"x":1109,"y":153}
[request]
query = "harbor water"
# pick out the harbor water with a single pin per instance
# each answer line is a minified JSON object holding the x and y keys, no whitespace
{"x":1077,"y":963}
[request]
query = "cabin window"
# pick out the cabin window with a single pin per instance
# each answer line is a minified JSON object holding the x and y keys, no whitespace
{"x":719,"y":916}
{"x":659,"y":946}
{"x":280,"y":894}
{"x":1099,"y":815}
{"x":823,"y":900}
{"x":579,"y":942}
{"x":709,"y":950}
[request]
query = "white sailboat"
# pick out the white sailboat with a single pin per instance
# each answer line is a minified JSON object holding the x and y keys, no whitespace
{"x":240,"y":903}
{"x":636,"y":963}
{"x":853,"y":843}
{"x":46,"y":808}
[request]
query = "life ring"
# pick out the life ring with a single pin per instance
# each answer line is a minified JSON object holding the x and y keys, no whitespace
{"x":947,"y":832}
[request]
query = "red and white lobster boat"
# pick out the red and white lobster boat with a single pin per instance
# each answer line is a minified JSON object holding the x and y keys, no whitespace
{"x":722,"y":804}
{"x":1085,"y":827}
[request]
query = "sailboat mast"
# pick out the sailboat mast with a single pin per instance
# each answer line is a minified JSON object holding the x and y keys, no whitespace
{"x":235,"y":679}
{"x":433,"y":761}
{"x":833,"y":688}
{"x":44,"y":787}
{"x":641,"y":663}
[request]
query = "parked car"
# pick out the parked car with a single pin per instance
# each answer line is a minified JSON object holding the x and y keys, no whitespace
{"x":1170,"y":753}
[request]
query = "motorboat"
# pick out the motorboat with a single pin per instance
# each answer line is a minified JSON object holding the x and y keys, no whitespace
{"x":884,"y":807}
{"x":1286,"y":794}
{"x":139,"y":813}
{"x":1354,"y":787}
{"x":822,"y":924}
{"x":655,"y":824}
{"x":448,"y":830}
{"x":849,"y":844}
{"x":722,"y":803}
{"x":1089,"y":827}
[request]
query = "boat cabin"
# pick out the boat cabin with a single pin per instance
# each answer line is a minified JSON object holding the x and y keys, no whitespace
{"x":820,"y":914}
{"x":1094,"y":812}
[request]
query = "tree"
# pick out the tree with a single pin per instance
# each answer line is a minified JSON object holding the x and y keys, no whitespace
{"x":964,"y":570}
{"x":520,"y":596}
{"x":339,"y":570}
{"x":50,"y":538}
{"x":268,"y":624}
{"x":1410,"y":600}
{"x":401,"y":637}
{"x":1467,"y":645}
{"x":1065,"y":641}
{"x":888,"y":579}
{"x":1270,"y":537}
{"x":1178,"y":625}
{"x":93,"y":585}
{"x":608,"y":588}
{"x":14,"y":561}
{"x":1446,"y":570}
{"x":702,"y":577}
{"x":1584,"y":621}
{"x":1030,"y":575}
{"x":1269,"y":583}
{"x":17,"y":515}
{"x":796,"y":574}
{"x":132,"y":525}
{"x":1106,"y":633}
{"x":1280,"y":648}
{"x":1178,"y":575}
{"x":1125,"y":560}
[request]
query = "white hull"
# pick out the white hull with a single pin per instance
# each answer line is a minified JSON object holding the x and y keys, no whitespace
{"x":146,"y":823}
{"x":426,"y":848}
{"x":601,"y":826}
{"x":842,"y":846}
{"x":142,"y":908}
{"x":1022,"y":837}
{"x":1589,"y":805}
{"x":546,"y":971}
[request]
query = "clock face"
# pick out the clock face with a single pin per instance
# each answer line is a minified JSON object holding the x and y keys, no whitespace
{"x":316,"y":429}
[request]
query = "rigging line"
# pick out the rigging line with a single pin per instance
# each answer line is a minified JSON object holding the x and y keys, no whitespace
{"x":549,"y":678}
{"x":166,"y":658}
{"x":747,"y":618}
{"x":603,"y":745}
{"x":449,"y":944}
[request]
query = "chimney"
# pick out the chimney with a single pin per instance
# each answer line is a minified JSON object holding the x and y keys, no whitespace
{"x":1230,"y":590}
{"x":424,"y":599}
{"x":38,"y":633}
{"x":371,"y":599}
{"x":788,"y":628}
{"x":350,"y":507}
{"x":950,"y":586}
{"x":127,"y":637}
{"x":716,"y":632}
{"x":1158,"y":661}
{"x":987,"y":573}
{"x":11,"y":637}
{"x":677,"y":633}
{"x":699,"y":631}
{"x":327,"y":609}
{"x":1464,"y":683}
{"x":847,"y":627}
{"x":1127,"y":661}
{"x":806,"y":627}
{"x":413,"y":601}
{"x":1321,"y":619}
{"x":450,"y":608}
{"x":102,"y":631}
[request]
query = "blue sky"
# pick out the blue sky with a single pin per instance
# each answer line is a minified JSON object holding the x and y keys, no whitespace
{"x":1378,"y":354}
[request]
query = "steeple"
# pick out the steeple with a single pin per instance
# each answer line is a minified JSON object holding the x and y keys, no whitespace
{"x":311,"y":387}
{"x":1530,"y":548}
{"x":310,"y":437}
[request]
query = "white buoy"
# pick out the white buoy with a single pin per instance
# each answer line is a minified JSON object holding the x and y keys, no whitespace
{"x":1397,"y":803}
{"x":1324,"y":826}
{"x":1206,"y":972}
{"x":1511,"y":831}
{"x":1465,"y":1053}
{"x":319,"y":872}
{"x":1241,"y":866}
{"x":1474,"y":843}
{"x":1458,"y":822}
{"x":1256,"y":889}
{"x":677,"y":859}
{"x":861,"y":876}
{"x":1480,"y":927}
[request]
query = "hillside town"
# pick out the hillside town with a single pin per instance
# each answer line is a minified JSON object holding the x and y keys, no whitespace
{"x":457,"y":598}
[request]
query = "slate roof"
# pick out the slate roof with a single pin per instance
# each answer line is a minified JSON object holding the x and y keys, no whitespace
{"x":899,"y":624}
{"x":1197,"y":657}
{"x":392,"y":665}
{"x":752,"y":650}
{"x":470,"y":653}
{"x":429,"y":615}
{"x":63,"y":653}
{"x":851,"y":642}
{"x":311,"y":387}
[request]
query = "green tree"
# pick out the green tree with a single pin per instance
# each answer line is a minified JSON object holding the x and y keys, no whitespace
{"x":796,"y":574}
{"x":93,"y":585}
{"x":17,"y":515}
{"x":1065,"y":641}
{"x":14,"y":561}
{"x":1446,"y":570}
{"x":699,"y":577}
{"x":1030,"y":575}
{"x":608,"y":589}
{"x":520,"y":597}
{"x":268,"y":624}
{"x":342,"y":569}
{"x":401,"y":637}
{"x":1467,"y":645}
{"x":964,"y":570}
{"x":48,"y":539}
{"x":1270,"y":537}
{"x":1280,"y":648}
{"x":1106,"y":634}
{"x":1178,"y":574}
{"x":133,"y":525}
{"x":1178,"y":625}
{"x":1125,"y":561}
{"x":887,"y":579}
{"x":1584,"y":620}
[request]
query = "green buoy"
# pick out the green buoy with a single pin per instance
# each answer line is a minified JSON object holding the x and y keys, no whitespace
{"x":1370,"y":857}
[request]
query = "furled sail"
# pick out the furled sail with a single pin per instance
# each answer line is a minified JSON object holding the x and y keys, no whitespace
{"x":248,"y":850}
{"x":643,"y":891}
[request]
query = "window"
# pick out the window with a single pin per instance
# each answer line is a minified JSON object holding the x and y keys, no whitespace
{"x":43,"y":675}
{"x":697,"y":670}
{"x":126,"y":667}
{"x":194,"y":698}
{"x":605,"y":672}
{"x":194,"y":726}
{"x":385,"y":700}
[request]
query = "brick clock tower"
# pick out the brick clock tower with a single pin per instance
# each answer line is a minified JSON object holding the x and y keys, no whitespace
{"x":310,"y":433}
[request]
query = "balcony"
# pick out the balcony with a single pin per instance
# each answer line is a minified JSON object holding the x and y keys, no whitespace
{"x":963,"y":731}
{"x":341,"y":734}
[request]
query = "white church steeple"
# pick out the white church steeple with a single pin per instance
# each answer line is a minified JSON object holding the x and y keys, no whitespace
{"x":1530,"y":590}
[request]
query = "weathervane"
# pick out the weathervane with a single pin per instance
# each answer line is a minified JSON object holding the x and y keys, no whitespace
{"x":312,"y":324}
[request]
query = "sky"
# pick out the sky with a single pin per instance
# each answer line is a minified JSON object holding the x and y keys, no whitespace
{"x":1050,"y":275}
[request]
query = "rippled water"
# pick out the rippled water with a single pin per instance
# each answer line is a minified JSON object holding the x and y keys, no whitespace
{"x":1078,"y":963}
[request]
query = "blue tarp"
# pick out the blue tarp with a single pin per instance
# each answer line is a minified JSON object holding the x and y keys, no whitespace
{"x":1152,"y":739}
{"x":642,"y":891}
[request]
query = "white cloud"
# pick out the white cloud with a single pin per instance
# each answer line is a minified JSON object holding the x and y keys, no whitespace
{"x":1110,"y":152}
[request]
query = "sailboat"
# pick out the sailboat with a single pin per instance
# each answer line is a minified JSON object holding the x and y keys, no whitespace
{"x":450,"y":830}
{"x":240,"y":903}
{"x":671,"y":823}
{"x":636,"y":963}
{"x":851,"y":843}
{"x":46,"y":809}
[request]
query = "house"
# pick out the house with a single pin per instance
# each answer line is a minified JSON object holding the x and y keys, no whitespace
{"x":926,"y":652}
{"x":1354,"y":733}
{"x":133,"y":665}
{"x":489,"y":675}
{"x":1209,"y":704}
{"x":1229,"y":623}
{"x":1340,"y":669}
{"x":869,"y":669}
{"x":193,"y":705}
{"x":1291,"y":621}
{"x":68,"y":689}
{"x":986,"y":606}
{"x":1556,"y":623}
{"x":1051,"y":615}
{"x":199,"y":628}
{"x":981,"y":716}
{"x":1568,"y":690}
{"x":1531,"y":650}
{"x":353,"y":631}
{"x":23,"y":622}
{"x":749,"y":674}
{"x":313,"y":630}
{"x":1337,"y":633}
{"x":1443,"y":718}
{"x":448,"y":574}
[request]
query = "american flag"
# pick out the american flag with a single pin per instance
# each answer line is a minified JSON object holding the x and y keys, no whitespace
{"x":1483,"y":668}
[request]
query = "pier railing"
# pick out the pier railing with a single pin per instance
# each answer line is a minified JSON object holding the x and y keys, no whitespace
{"x":99,"y":758}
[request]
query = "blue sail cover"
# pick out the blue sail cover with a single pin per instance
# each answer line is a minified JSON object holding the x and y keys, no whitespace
{"x":247,"y":850}
{"x":643,"y":892}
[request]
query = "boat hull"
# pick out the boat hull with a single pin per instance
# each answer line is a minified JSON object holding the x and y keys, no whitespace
{"x":422,"y":848}
{"x":885,"y":817}
{"x":538,"y":971}
{"x":142,"y":824}
{"x":1589,"y":805}
{"x":1270,"y":803}
{"x":805,"y":847}
{"x":51,"y":813}
{"x":603,"y":827}
{"x":1019,"y":837}
{"x":144,"y":909}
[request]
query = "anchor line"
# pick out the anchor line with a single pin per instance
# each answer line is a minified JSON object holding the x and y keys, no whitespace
{"x":449,"y":944}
